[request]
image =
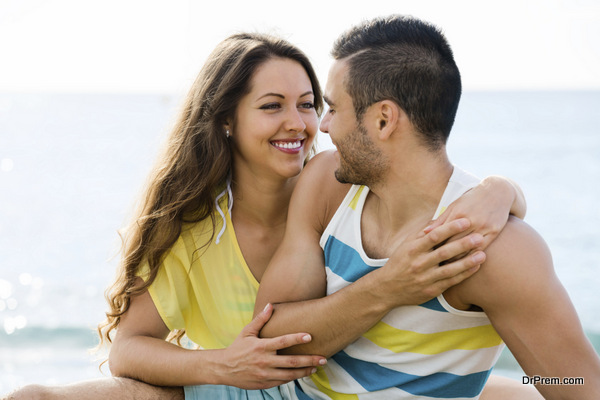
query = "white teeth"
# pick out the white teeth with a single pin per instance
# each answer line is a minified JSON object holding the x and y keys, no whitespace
{"x":288,"y":145}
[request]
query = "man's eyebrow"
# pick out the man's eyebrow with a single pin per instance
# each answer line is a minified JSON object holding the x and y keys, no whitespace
{"x":328,"y":101}
{"x":282,"y":96}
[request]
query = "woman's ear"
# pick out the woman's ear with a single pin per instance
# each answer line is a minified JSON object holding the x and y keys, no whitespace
{"x":228,"y":128}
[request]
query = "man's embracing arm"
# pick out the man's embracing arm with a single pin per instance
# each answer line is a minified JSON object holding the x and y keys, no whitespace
{"x":295,"y":281}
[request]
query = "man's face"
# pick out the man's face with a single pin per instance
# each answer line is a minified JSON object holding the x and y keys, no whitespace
{"x":360,"y":161}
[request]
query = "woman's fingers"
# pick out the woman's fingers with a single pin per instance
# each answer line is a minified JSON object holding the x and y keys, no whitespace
{"x":293,"y":339}
{"x":298,"y":361}
{"x":282,"y":376}
{"x":257,"y":323}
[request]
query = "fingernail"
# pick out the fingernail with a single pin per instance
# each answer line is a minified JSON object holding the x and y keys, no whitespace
{"x":266,"y":307}
{"x":313,"y":371}
{"x":478,"y":257}
{"x":323,"y":361}
{"x":306,"y":338}
{"x":427,"y":229}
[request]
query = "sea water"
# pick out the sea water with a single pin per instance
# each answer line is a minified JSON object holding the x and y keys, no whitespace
{"x":71,"y":166}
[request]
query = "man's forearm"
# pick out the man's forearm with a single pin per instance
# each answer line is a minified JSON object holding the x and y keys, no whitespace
{"x":334,"y":321}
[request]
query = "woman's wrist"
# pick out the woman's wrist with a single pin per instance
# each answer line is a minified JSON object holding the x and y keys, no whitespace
{"x":511,"y":190}
{"x":209,"y":368}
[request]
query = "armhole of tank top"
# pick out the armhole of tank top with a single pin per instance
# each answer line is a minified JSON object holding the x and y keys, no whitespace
{"x":338,"y":213}
{"x":444,"y":303}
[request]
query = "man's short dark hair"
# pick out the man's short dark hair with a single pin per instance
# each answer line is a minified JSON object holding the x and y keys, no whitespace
{"x":406,"y":60}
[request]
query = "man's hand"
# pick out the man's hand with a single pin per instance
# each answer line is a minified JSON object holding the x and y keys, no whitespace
{"x":427,"y":264}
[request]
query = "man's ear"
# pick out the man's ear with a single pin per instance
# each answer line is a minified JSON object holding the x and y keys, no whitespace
{"x":387,"y":118}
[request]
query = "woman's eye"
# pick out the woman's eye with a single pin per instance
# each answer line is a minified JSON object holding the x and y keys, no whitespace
{"x":307,"y":105}
{"x":270,"y":106}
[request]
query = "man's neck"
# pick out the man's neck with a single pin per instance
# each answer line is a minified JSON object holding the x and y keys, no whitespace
{"x":404,"y":201}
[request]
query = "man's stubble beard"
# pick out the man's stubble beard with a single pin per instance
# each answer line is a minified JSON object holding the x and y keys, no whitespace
{"x":361,"y":162}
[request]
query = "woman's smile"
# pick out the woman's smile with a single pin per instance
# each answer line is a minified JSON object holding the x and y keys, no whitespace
{"x":292,"y":146}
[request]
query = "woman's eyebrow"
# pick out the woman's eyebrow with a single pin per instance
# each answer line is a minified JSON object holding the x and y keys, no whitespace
{"x":282,"y":96}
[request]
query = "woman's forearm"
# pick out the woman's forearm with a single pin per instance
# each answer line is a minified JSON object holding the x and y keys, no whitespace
{"x":161,"y":363}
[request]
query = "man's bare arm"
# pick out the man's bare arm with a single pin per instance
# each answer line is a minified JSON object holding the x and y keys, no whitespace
{"x":296,"y":274}
{"x":519,"y":291}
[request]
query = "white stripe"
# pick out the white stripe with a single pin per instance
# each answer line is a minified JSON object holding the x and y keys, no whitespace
{"x":424,"y":320}
{"x":335,"y":220}
{"x":458,"y":362}
{"x":395,"y":394}
{"x":459,"y":183}
{"x":334,"y":282}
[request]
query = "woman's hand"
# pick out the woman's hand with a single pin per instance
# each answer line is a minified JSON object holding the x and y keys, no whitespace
{"x":253,"y":363}
{"x":487,"y":206}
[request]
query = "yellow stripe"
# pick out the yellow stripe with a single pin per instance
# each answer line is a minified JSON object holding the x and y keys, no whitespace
{"x":398,"y":341}
{"x":321,"y":381}
{"x":354,"y":201}
{"x":441,"y":211}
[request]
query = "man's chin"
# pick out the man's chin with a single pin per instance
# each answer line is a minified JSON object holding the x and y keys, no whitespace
{"x":341,"y":178}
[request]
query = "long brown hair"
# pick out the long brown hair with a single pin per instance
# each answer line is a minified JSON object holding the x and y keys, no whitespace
{"x":194,"y":163}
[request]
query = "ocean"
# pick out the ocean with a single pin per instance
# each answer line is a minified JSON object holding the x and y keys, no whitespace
{"x":71,"y":166}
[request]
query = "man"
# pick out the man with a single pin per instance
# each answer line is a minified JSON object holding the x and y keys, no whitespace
{"x":393,"y":92}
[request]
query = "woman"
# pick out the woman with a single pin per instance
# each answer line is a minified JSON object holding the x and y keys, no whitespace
{"x":211,"y":218}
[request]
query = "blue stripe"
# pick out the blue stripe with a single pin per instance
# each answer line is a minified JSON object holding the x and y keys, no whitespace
{"x":344,"y":261}
{"x":299,"y":392}
{"x":374,"y":377}
{"x":433,"y":304}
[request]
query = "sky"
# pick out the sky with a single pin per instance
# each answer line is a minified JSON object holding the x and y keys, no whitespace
{"x":149,"y":46}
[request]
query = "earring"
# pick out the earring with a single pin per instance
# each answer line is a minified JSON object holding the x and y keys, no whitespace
{"x":227,"y":132}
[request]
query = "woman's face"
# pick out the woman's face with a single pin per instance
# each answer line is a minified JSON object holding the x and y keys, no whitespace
{"x":276,"y":123}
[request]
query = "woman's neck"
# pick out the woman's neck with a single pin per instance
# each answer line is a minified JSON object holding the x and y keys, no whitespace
{"x":261,"y":200}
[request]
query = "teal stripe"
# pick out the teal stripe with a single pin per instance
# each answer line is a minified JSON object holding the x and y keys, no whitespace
{"x":344,"y":261}
{"x":443,"y":385}
{"x":434,"y":304}
{"x":299,"y":392}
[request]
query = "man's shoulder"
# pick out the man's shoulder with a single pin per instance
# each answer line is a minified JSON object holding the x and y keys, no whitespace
{"x":322,"y":166}
{"x":319,"y":187}
{"x":517,"y":243}
{"x":516,"y":261}
{"x":319,"y":174}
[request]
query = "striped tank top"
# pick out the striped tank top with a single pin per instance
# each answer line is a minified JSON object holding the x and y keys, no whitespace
{"x":429,"y":351}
